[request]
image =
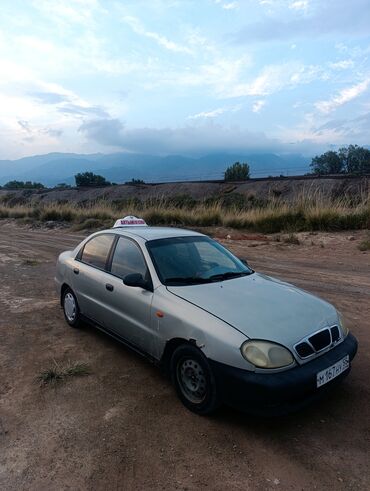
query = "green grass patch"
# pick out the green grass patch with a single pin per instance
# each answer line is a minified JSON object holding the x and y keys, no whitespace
{"x":364,"y":245}
{"x":30,"y":262}
{"x":57,"y":373}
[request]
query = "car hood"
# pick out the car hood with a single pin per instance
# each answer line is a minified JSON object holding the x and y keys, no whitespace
{"x":262,"y":307}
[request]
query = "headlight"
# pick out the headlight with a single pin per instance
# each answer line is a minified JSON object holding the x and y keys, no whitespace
{"x":343,"y":325}
{"x":264,"y":354}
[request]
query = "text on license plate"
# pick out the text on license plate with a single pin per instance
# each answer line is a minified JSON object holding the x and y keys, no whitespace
{"x":329,"y":373}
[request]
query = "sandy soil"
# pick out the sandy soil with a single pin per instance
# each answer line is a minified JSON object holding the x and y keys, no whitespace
{"x":122,"y":427}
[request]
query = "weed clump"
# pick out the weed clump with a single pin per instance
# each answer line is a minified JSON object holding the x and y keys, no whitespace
{"x":56,"y":373}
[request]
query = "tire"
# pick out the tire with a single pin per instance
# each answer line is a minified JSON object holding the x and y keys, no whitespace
{"x":70,"y":308}
{"x":193,"y":379}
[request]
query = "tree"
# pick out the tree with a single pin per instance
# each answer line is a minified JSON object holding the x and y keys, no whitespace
{"x":349,"y":160}
{"x":237,"y":172}
{"x":327,"y":163}
{"x":89,"y":179}
{"x":355,"y":159}
{"x":135,"y":182}
{"x":23,"y":185}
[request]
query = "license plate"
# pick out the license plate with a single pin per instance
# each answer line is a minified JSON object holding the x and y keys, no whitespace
{"x":329,"y":373}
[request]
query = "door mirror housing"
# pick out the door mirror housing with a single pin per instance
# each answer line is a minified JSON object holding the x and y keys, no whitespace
{"x":136,"y":279}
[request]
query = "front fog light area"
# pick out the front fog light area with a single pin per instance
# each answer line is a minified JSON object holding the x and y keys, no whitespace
{"x":265,"y":354}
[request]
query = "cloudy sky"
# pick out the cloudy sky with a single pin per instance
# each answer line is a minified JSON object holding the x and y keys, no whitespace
{"x":189,"y":77}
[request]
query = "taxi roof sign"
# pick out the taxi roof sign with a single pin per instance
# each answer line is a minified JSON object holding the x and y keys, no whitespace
{"x":130,"y":221}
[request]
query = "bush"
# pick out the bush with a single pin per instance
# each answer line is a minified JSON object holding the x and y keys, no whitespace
{"x":89,"y":179}
{"x":237,"y":172}
{"x":23,"y":185}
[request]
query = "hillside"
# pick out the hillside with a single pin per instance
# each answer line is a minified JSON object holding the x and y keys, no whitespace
{"x":260,"y":189}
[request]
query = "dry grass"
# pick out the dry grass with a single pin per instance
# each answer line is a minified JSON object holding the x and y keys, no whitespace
{"x":309,"y":211}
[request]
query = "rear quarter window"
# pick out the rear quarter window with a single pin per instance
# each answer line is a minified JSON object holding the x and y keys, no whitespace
{"x":96,"y":251}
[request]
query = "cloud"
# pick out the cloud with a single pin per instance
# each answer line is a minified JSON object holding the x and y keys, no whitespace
{"x":49,"y":97}
{"x":215,"y":112}
{"x":347,"y":128}
{"x":74,"y":11}
{"x":343,"y":97}
{"x":25,"y":126}
{"x":161,"y":40}
{"x":230,"y":5}
{"x":274,"y":78}
{"x":329,"y":17}
{"x":55,"y":133}
{"x":341,"y":65}
{"x":299,"y":5}
{"x":227,"y":5}
{"x":188,"y":140}
{"x":69,"y":103}
{"x":258,"y":105}
{"x":209,"y":114}
{"x":33,"y":131}
{"x":80,"y":110}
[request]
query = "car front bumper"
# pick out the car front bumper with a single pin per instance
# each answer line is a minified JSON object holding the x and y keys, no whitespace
{"x":279,"y":392}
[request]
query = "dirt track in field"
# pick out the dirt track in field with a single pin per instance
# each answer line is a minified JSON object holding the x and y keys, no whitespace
{"x":122,"y":427}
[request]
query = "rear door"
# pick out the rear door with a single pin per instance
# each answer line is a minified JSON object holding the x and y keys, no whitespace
{"x":90,"y":278}
{"x":130,"y":307}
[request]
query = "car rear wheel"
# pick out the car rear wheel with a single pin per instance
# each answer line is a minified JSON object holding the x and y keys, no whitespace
{"x":193,"y":379}
{"x":70,"y":308}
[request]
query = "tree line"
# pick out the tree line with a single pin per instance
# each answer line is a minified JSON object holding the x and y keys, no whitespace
{"x":347,"y":160}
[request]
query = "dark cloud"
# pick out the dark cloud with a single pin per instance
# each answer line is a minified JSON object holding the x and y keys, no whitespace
{"x":189,"y":140}
{"x":49,"y":97}
{"x":332,"y":16}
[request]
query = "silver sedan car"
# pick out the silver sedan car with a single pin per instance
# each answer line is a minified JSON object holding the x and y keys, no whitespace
{"x":223,"y":332}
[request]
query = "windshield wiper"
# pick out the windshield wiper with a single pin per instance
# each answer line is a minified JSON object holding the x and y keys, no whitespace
{"x":190,"y":280}
{"x":229,"y":275}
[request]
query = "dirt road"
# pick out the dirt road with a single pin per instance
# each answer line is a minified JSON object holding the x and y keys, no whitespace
{"x":122,"y":427}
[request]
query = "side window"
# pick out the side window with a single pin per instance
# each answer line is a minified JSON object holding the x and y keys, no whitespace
{"x":128,"y":259}
{"x":96,"y":250}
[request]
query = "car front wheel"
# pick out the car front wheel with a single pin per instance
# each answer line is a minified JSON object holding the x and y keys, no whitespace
{"x":193,"y":379}
{"x":70,"y":308}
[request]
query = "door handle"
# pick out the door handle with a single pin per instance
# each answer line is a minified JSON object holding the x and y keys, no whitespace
{"x":76,"y":270}
{"x":109,"y":287}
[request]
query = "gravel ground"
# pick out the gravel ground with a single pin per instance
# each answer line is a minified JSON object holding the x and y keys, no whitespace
{"x":122,"y":427}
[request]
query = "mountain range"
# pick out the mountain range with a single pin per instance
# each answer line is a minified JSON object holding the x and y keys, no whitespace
{"x":54,"y":168}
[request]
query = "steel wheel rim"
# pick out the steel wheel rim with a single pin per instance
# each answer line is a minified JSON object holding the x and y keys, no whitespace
{"x":192,"y":380}
{"x":70,"y":307}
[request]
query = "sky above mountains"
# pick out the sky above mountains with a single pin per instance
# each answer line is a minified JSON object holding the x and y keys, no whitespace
{"x":185,"y":77}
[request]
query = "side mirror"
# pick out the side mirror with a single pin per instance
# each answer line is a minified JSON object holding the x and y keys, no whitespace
{"x":136,"y":279}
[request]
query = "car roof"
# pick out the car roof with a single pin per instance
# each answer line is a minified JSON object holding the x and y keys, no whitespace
{"x":152,"y":233}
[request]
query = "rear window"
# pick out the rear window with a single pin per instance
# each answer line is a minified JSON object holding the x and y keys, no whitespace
{"x":96,"y":251}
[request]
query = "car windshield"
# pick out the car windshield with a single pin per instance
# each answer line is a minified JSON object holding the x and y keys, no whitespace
{"x":194,"y":260}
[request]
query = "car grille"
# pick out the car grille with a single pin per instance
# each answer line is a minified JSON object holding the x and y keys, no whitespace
{"x":317,"y":342}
